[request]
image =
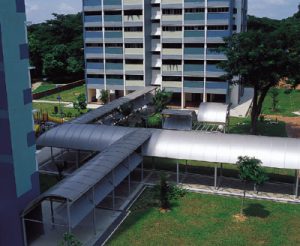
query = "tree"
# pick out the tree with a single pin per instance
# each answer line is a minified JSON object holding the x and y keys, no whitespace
{"x":161,"y":99}
{"x":104,"y":96}
{"x":126,"y":109}
{"x":250,"y":170}
{"x":56,"y":48}
{"x":80,"y":103}
{"x":167,"y":192}
{"x":274,"y":97}
{"x":260,"y":58}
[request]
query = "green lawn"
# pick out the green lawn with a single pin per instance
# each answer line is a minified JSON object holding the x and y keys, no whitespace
{"x":242,"y":126}
{"x":49,"y":108}
{"x":67,"y":96}
{"x":287,"y":104}
{"x":44,"y":87}
{"x":199,"y":219}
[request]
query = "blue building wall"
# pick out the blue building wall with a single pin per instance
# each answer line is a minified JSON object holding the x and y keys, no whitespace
{"x":18,"y":175}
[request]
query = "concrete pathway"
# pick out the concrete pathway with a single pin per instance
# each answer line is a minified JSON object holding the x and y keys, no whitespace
{"x":242,"y":109}
{"x":51,"y":102}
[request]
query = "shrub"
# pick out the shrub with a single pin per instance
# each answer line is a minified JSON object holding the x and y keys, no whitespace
{"x":161,"y":99}
{"x":154,"y":121}
{"x":104,"y":96}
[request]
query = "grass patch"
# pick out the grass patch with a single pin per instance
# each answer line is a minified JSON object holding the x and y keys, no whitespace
{"x":242,"y":126}
{"x":288,"y":103}
{"x":49,"y":108}
{"x":198,"y":219}
{"x":44,"y":87}
{"x":67,"y":96}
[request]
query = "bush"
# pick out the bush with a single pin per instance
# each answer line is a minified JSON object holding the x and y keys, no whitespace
{"x":104,"y":96}
{"x":80,"y":102}
{"x":161,"y":99}
{"x":154,"y":121}
{"x":287,"y":91}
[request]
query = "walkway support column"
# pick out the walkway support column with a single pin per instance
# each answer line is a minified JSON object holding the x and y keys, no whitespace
{"x":77,"y":159}
{"x":142,"y":171}
{"x":221,"y":174}
{"x":297,"y":184}
{"x":177,"y":172}
{"x":52,"y":157}
{"x":216,"y":177}
{"x":69,"y":216}
{"x":113,"y":192}
{"x":94,"y":212}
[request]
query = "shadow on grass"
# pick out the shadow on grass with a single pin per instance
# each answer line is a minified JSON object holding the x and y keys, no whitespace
{"x":256,"y":210}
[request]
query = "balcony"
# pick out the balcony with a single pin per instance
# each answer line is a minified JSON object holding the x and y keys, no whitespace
{"x":171,"y":69}
{"x":93,"y":52}
{"x":113,"y":18}
{"x":133,"y":18}
{"x":193,"y":84}
{"x":135,"y":83}
{"x":218,"y":3}
{"x":113,"y":35}
{"x":114,"y":52}
{"x":213,"y":54}
{"x":92,"y":20}
{"x":93,"y":36}
{"x":172,"y":18}
{"x":193,"y":69}
{"x":194,"y":18}
{"x":95,"y":81}
{"x":194,"y":53}
{"x":218,"y":18}
{"x":134,"y":34}
{"x":94,"y":68}
{"x":217,"y":36}
{"x":113,"y":66}
{"x":91,"y":5}
{"x":172,"y":84}
{"x":170,"y":34}
{"x":214,"y":71}
{"x":135,"y":67}
{"x":133,"y":2}
{"x":194,"y":34}
{"x":112,"y":4}
{"x":110,"y":81}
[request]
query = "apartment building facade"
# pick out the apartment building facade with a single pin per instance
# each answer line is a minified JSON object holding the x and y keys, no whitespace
{"x":130,"y":44}
{"x":19,"y":179}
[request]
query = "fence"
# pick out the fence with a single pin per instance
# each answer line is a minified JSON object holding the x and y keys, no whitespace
{"x":42,"y":94}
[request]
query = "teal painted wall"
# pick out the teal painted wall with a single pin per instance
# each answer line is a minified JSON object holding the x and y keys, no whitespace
{"x":17,"y":80}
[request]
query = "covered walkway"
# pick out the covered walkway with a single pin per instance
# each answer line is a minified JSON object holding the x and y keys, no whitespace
{"x":66,"y":205}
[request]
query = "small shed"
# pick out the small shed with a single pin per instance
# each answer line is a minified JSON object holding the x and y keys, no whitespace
{"x":178,"y":119}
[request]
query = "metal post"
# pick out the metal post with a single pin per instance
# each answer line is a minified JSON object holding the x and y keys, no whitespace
{"x":153,"y":163}
{"x":216,"y":176}
{"x":24,"y":231}
{"x":94,"y":211}
{"x":113,"y":192}
{"x":142,"y":171}
{"x":52,"y":213}
{"x":177,"y":172}
{"x":77,"y":159}
{"x":297,"y":184}
{"x":52,"y":158}
{"x":129,"y":184}
{"x":221,"y":174}
{"x":69,"y":217}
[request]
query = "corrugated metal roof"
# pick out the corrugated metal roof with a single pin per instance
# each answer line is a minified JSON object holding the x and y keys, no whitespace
{"x":83,"y":179}
{"x":193,"y":145}
{"x":213,"y":113}
{"x":108,"y":108}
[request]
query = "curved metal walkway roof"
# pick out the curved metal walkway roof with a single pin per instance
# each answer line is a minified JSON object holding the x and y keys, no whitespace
{"x":213,"y":113}
{"x":74,"y":186}
{"x":193,"y":145}
{"x":108,"y":108}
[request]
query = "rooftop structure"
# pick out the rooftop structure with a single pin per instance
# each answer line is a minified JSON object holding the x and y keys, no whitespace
{"x":173,"y":44}
{"x":178,"y":119}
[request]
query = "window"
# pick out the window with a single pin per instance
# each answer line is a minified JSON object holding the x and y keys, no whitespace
{"x":114,"y":45}
{"x":133,"y":12}
{"x":193,"y":28}
{"x":114,"y":61}
{"x":92,"y":13}
{"x":172,"y":46}
{"x":171,"y":62}
{"x":95,"y":60}
{"x":133,"y":45}
{"x":133,"y":61}
{"x":94,"y":45}
{"x":134,"y":77}
{"x":172,"y":11}
{"x":172,"y":28}
{"x":133,"y":29}
{"x":96,"y":76}
{"x":217,"y":28}
{"x":194,"y":45}
{"x":171,"y":78}
{"x":113,"y":28}
{"x":195,"y":10}
{"x":218,"y":10}
{"x":114,"y":76}
{"x":88,"y":29}
{"x":113,"y":12}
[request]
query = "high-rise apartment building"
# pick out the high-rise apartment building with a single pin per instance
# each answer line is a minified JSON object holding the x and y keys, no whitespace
{"x":130,"y":44}
{"x":19,"y":179}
